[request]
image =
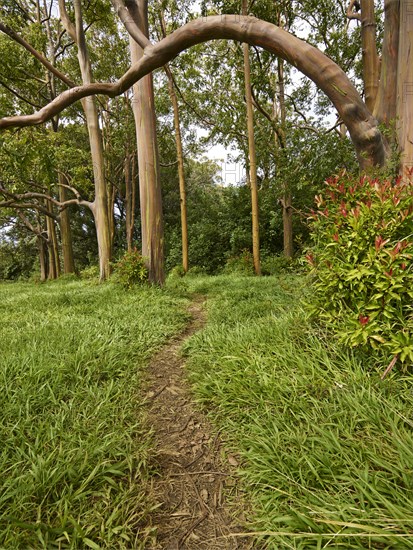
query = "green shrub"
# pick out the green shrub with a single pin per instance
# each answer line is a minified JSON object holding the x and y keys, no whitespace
{"x":90,"y":272}
{"x":240,"y":265}
{"x":361,"y":262}
{"x":276,"y":264}
{"x":131,"y":269}
{"x":177,"y":272}
{"x":195,"y":271}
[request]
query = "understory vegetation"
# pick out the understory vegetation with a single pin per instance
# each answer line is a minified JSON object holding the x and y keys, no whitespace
{"x":326,"y":445}
{"x":74,"y":451}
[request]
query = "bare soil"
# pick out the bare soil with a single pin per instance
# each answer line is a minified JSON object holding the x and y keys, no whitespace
{"x":200,"y":504}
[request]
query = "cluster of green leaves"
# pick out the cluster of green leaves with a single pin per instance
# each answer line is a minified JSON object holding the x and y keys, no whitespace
{"x":326,"y":449}
{"x":74,"y":448}
{"x":242,"y":264}
{"x":362,"y":263}
{"x":131,"y":270}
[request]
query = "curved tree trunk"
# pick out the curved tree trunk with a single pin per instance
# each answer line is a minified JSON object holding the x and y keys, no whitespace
{"x":326,"y":74}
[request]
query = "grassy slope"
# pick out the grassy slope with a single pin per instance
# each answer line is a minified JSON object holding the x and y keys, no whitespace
{"x":73,"y":450}
{"x":327,"y":447}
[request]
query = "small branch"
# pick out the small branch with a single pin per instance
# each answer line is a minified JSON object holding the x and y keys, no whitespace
{"x":2,"y":83}
{"x":353,"y":9}
{"x":31,"y":227}
{"x":17,"y":38}
{"x":167,"y":165}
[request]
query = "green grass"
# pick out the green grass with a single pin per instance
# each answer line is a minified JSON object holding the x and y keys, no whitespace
{"x":326,"y":446}
{"x":73,"y":449}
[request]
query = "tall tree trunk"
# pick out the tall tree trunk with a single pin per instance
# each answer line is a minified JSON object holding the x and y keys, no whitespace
{"x":41,"y":243}
{"x":405,"y":89}
{"x":287,"y":198}
{"x":130,"y":185}
{"x":100,"y":205}
{"x":252,"y":156}
{"x":148,"y":161}
{"x":65,"y":230}
{"x":111,"y":214}
{"x":369,"y":53}
{"x":386,"y":102}
{"x":179,"y":156}
{"x":181,"y":169}
{"x":53,"y":272}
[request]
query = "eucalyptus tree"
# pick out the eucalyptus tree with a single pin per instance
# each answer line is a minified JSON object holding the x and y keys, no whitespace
{"x":362,"y":124}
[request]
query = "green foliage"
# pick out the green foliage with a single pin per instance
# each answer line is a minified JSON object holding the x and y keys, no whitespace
{"x":131,"y":269}
{"x":362,"y":263}
{"x":74,"y":449}
{"x":276,"y":264}
{"x":326,"y":449}
{"x":16,"y":259}
{"x":240,"y":265}
{"x":177,"y":272}
{"x":90,"y":272}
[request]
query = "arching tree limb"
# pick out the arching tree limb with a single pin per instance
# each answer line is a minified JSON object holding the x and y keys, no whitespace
{"x":326,"y":74}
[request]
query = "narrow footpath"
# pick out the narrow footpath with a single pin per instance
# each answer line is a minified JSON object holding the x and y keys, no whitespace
{"x":200,"y":506}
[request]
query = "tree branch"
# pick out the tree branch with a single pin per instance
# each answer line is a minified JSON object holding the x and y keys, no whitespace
{"x":17,"y":38}
{"x":67,"y":23}
{"x":129,"y":23}
{"x":353,"y":9}
{"x":326,"y":74}
{"x":19,"y":96}
{"x":31,"y":227}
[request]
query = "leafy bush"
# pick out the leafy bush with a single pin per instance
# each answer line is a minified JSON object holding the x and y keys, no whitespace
{"x":195,"y":271}
{"x":177,"y":272}
{"x":90,"y":272}
{"x":276,"y":264}
{"x":241,"y":265}
{"x":131,"y":269}
{"x":361,"y":262}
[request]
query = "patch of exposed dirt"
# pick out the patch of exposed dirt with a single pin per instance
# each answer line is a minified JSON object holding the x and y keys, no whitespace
{"x":200,"y":504}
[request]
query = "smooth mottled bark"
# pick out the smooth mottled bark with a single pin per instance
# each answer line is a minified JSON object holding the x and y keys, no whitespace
{"x":143,"y":106}
{"x":99,"y":206}
{"x":252,"y":163}
{"x":65,"y":230}
{"x":386,"y":102}
{"x":54,"y":267}
{"x":252,"y":156}
{"x":405,"y":88}
{"x":181,"y":168}
{"x":130,"y":194}
{"x":369,"y":53}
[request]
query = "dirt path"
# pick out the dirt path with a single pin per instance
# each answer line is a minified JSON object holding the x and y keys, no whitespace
{"x":195,"y":476}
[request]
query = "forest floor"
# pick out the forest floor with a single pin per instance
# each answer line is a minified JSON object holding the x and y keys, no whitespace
{"x":199,"y":503}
